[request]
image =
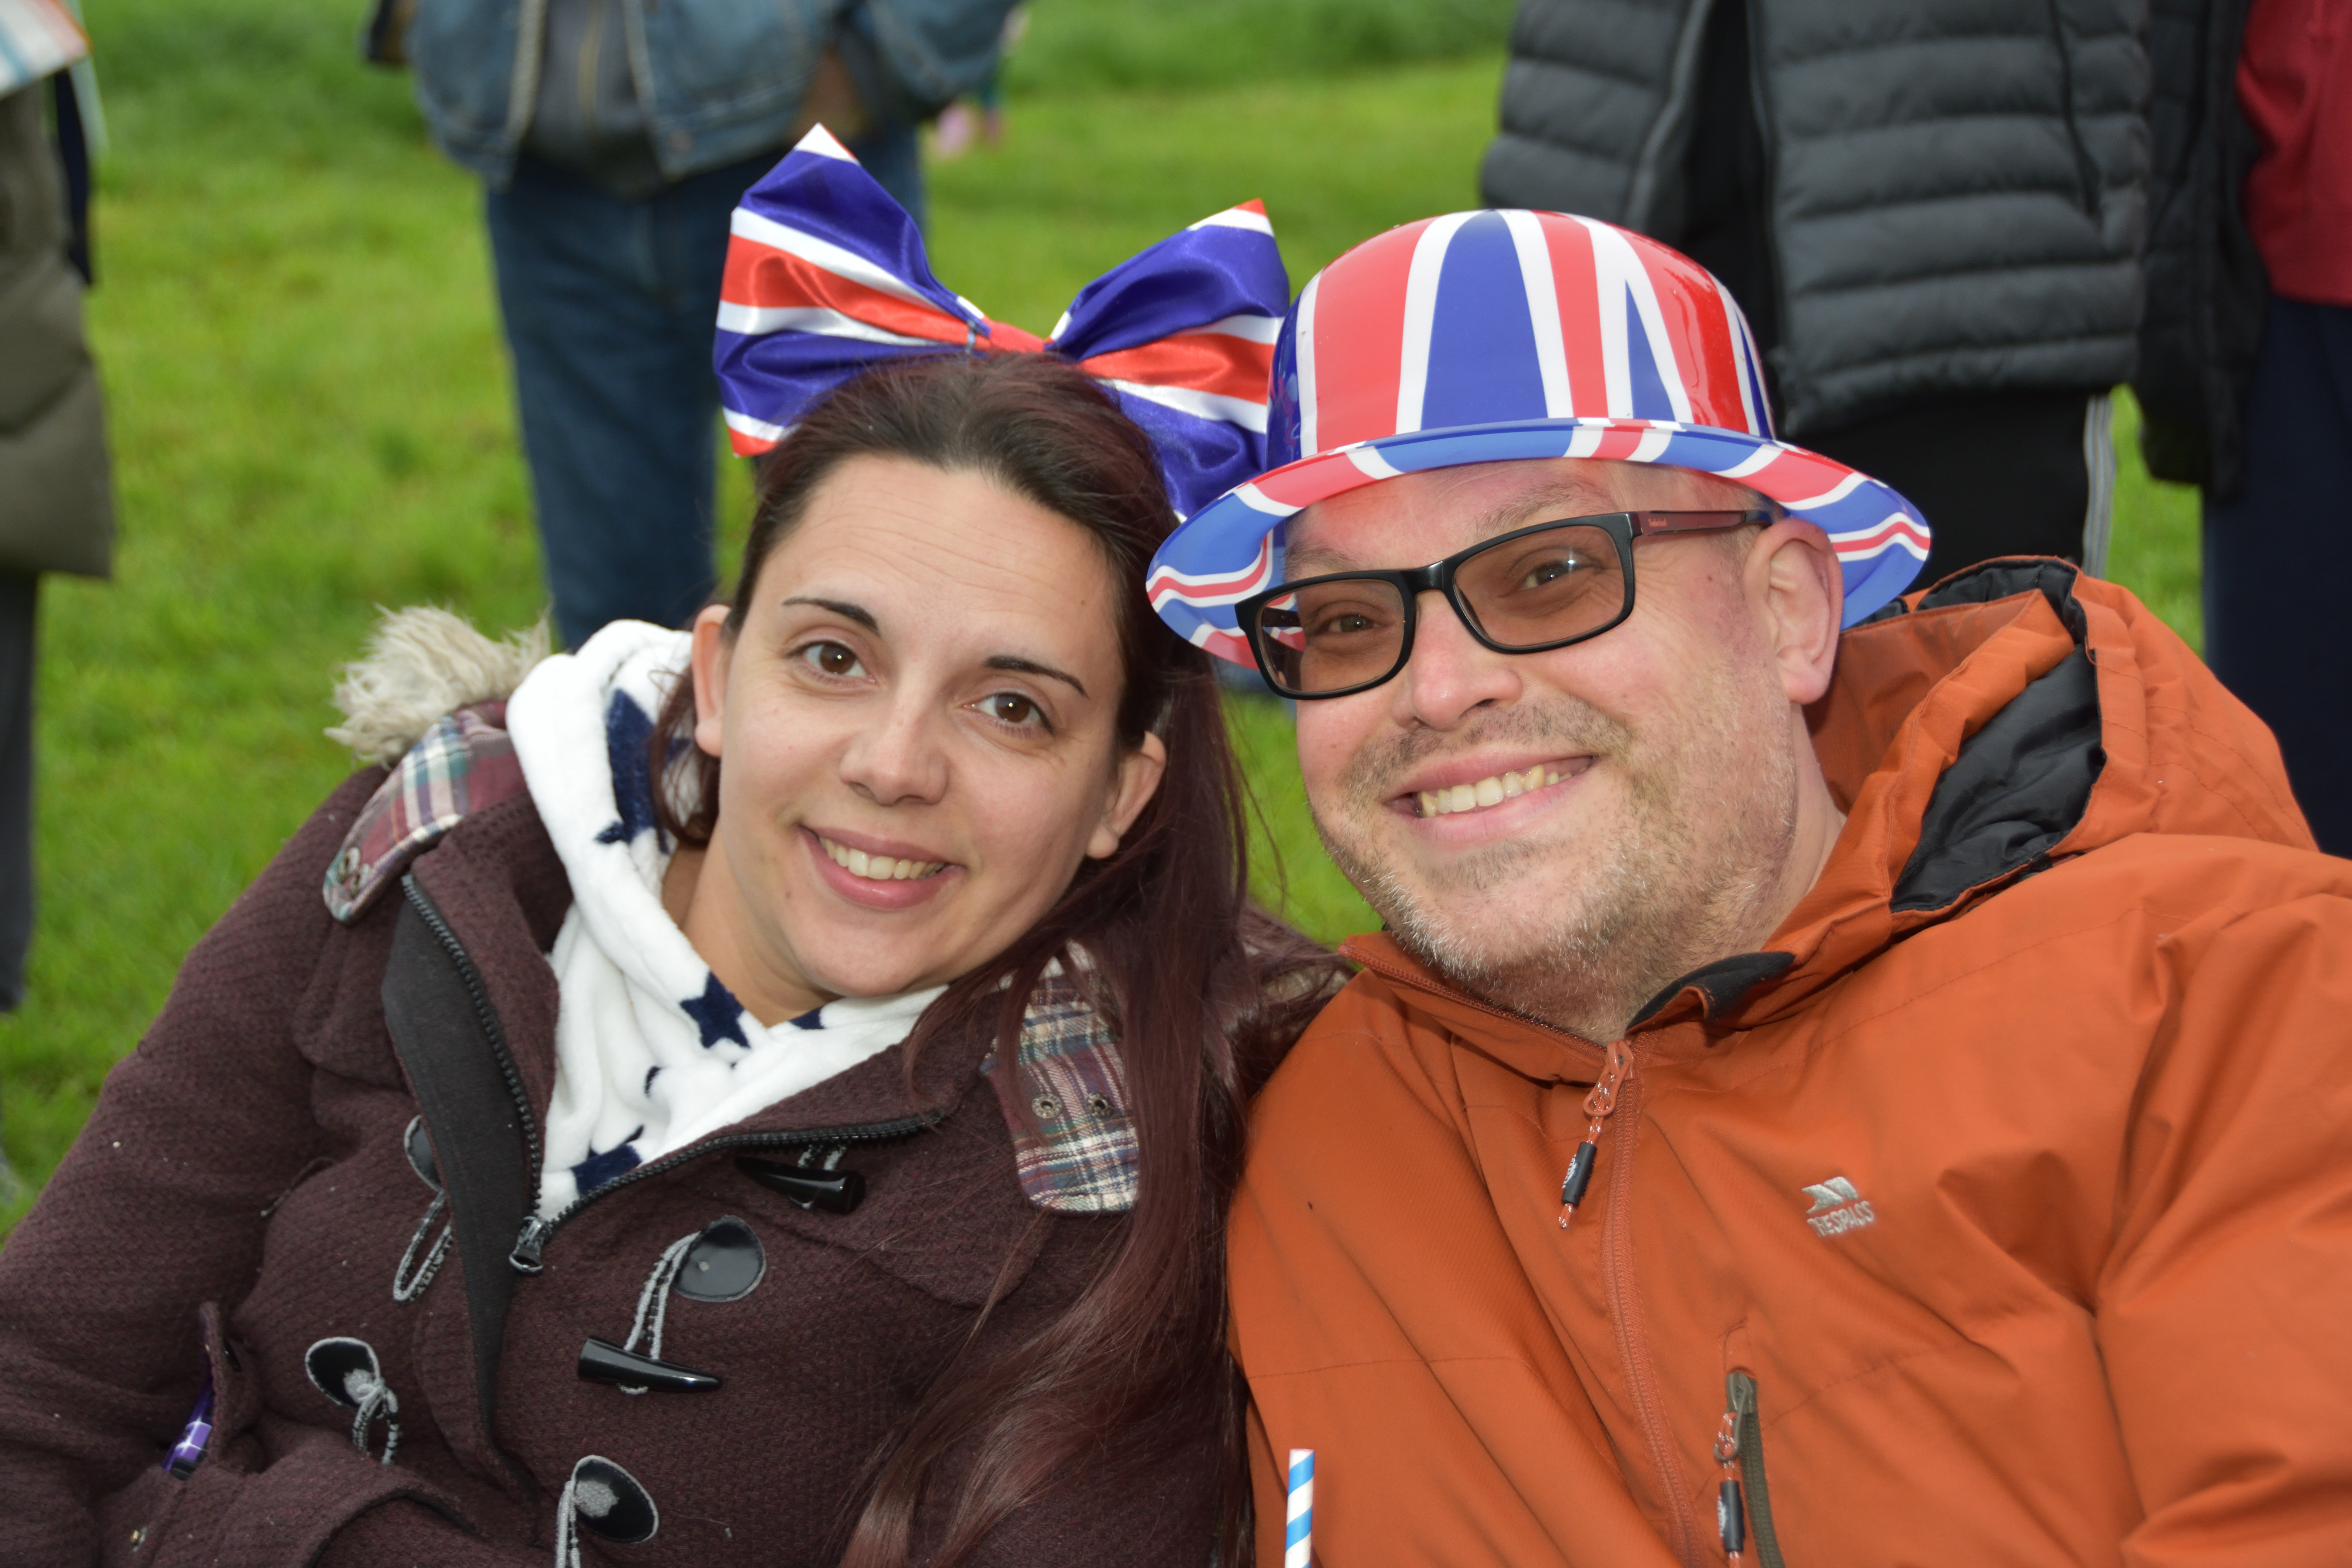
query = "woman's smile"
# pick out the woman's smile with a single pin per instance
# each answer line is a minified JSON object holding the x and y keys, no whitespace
{"x":882,"y":862}
{"x":880,"y":882}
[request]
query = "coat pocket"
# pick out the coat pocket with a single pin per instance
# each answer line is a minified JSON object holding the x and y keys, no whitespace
{"x":1745,"y":1445}
{"x":133,"y":1522}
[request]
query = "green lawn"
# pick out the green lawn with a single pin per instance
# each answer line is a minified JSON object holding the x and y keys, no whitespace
{"x":310,"y":417}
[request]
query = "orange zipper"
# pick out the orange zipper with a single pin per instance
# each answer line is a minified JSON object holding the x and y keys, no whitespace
{"x":1632,"y":1344}
{"x":1615,"y":1090}
{"x":1598,"y":1105}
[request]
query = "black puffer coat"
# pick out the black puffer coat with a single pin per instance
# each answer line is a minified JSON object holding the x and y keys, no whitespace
{"x":2206,"y":284}
{"x":244,"y":1192}
{"x":1955,"y":193}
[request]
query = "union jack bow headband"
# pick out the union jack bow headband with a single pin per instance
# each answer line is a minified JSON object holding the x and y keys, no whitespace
{"x":1490,"y":337}
{"x":826,"y":276}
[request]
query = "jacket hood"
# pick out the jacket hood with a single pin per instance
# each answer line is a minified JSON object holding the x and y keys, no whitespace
{"x":423,"y":664}
{"x":2015,"y":715}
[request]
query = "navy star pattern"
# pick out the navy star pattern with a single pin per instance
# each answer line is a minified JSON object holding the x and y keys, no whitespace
{"x":598,"y":1169}
{"x":626,"y":732}
{"x":717,"y":1013}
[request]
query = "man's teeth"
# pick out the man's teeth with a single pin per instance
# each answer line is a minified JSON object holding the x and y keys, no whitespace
{"x":1492,"y":791}
{"x":878,"y":867}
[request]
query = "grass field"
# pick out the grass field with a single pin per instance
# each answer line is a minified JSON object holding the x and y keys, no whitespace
{"x":310,"y":417}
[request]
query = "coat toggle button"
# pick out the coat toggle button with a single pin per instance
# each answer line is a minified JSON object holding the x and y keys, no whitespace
{"x":601,"y":1361}
{"x":811,"y":1186}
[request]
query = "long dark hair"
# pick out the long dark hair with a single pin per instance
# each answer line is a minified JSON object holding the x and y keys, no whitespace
{"x":1206,"y":991}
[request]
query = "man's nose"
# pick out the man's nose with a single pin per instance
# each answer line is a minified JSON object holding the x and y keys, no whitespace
{"x":903,"y":760}
{"x":1451,"y":674}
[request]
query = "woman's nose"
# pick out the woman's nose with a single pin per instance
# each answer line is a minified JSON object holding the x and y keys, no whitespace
{"x":1451,"y":674}
{"x":900,"y":761}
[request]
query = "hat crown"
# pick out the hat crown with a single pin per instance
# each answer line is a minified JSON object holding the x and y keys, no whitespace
{"x":1506,"y":316}
{"x":1510,"y":336}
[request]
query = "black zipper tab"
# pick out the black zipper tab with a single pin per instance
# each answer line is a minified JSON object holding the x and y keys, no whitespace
{"x":1579,"y":1174}
{"x":528,"y":1246}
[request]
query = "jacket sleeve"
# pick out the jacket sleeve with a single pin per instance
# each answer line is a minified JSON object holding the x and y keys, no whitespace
{"x":911,"y":59}
{"x":157,"y":1210}
{"x":2220,"y":1310}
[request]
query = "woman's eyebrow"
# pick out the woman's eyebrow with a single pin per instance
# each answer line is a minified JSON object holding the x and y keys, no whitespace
{"x":842,"y":607}
{"x":1020,"y":666}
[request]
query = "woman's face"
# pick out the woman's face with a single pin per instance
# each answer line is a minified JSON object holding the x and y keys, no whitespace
{"x":917,"y":722}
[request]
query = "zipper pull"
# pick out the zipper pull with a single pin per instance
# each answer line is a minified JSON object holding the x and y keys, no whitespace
{"x":528,"y":1246}
{"x":1597,"y":1106}
{"x":1730,"y":1513}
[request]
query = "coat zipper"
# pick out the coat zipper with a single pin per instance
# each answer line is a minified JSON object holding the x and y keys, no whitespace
{"x":1740,"y":1444}
{"x":492,"y":1030}
{"x":1598,"y":1107}
{"x":1614,"y":1091}
{"x":525,"y":1256}
{"x":536,"y":1232}
{"x":1633,"y":1345}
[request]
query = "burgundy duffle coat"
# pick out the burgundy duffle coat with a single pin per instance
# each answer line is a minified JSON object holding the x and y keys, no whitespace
{"x":245,"y":1191}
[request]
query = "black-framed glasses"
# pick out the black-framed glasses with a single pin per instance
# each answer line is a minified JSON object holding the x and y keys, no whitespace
{"x":1527,"y":591}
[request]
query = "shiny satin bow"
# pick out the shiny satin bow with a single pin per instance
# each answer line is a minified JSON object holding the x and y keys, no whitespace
{"x":826,"y":276}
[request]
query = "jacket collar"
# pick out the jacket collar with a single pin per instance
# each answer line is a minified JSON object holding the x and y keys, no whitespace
{"x":2015,"y":715}
{"x":496,"y":879}
{"x":499,"y":864}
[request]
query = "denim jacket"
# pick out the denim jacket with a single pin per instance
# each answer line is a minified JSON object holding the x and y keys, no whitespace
{"x":718,"y":80}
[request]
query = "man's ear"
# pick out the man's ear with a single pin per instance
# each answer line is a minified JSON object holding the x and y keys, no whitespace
{"x":1798,"y":590}
{"x":1137,"y":781}
{"x":713,"y":650}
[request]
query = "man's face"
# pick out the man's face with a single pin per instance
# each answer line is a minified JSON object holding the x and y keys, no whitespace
{"x":1558,"y":831}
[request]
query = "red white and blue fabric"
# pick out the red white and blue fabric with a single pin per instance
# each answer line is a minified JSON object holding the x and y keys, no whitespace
{"x":1489,"y":336}
{"x":826,"y":276}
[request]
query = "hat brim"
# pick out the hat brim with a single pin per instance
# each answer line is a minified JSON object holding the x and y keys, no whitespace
{"x":1227,"y":551}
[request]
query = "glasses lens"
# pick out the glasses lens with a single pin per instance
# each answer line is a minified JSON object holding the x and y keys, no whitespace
{"x":1546,"y":587}
{"x":1329,"y":637}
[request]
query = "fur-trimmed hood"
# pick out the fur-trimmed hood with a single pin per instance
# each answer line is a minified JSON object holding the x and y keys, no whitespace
{"x":423,"y":663}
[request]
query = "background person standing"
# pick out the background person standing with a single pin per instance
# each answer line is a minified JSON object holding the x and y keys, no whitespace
{"x":614,"y":138}
{"x":1932,"y":217}
{"x":2247,"y":359}
{"x":56,"y":498}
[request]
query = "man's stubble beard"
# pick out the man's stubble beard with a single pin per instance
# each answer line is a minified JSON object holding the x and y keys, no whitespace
{"x":1654,"y":900}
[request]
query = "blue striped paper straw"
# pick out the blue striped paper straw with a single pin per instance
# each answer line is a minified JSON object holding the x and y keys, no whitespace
{"x":1298,"y":1543}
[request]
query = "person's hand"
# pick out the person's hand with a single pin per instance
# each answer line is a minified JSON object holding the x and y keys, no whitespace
{"x":831,"y":101}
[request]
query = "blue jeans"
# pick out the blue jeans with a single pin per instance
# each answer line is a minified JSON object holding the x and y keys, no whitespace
{"x":609,"y":308}
{"x":2278,"y":559}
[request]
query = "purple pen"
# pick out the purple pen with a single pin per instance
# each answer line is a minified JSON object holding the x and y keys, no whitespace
{"x":189,"y":1451}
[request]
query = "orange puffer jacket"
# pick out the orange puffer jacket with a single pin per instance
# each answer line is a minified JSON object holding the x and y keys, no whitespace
{"x":2000,"y":1212}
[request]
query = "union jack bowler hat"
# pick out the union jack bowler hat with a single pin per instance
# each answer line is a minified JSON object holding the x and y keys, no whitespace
{"x":1486,"y":337}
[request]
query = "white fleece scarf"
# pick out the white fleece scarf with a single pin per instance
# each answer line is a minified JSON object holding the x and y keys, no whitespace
{"x":652,"y":1053}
